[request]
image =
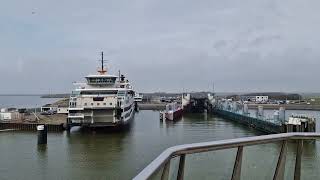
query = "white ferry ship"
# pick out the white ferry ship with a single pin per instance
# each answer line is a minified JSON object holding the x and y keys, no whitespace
{"x":138,"y":97}
{"x":105,"y":100}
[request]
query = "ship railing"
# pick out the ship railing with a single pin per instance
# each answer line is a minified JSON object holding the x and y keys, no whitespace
{"x":162,"y":163}
{"x":76,"y":115}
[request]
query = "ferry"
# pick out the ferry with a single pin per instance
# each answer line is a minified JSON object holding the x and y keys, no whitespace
{"x":104,"y":100}
{"x":173,"y":111}
{"x":138,"y":97}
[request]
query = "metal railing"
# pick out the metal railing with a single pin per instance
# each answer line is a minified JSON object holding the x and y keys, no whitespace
{"x":162,"y":162}
{"x":76,"y":115}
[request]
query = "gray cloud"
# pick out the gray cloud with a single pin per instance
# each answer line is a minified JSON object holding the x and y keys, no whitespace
{"x":248,"y":45}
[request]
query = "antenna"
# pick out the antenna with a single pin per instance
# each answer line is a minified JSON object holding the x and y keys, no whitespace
{"x":102,"y":70}
{"x":212,"y":87}
{"x":119,"y":75}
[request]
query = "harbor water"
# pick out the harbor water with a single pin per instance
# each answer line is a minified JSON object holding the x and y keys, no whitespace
{"x":122,"y":154}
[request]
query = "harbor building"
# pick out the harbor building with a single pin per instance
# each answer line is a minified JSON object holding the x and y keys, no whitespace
{"x":49,"y":107}
{"x":63,"y":110}
{"x":261,"y":98}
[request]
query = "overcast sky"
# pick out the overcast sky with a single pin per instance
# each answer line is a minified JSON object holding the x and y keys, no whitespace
{"x":161,"y":45}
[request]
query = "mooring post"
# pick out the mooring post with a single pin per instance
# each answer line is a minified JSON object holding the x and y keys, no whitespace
{"x":282,"y":115}
{"x":42,"y":134}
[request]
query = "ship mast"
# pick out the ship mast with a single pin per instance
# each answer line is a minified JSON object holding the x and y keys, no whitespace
{"x":102,"y":70}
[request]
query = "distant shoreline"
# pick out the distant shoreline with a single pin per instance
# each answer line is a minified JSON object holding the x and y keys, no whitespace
{"x":21,"y":94}
{"x":55,"y":96}
{"x":38,"y":95}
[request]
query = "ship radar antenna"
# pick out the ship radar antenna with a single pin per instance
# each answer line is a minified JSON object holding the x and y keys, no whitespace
{"x":102,"y":70}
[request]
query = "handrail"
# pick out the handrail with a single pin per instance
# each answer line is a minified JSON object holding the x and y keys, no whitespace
{"x":181,"y":150}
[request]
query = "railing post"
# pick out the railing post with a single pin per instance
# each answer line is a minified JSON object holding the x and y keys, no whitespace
{"x":236,"y":174}
{"x":297,"y":169}
{"x":181,"y":167}
{"x":279,"y":173}
{"x":165,"y":172}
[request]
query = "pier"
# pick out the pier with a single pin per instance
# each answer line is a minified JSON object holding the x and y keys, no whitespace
{"x":259,"y":124}
{"x":238,"y":112}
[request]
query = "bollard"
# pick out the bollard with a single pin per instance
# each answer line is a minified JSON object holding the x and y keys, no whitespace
{"x":282,"y":114}
{"x":276,"y":115}
{"x":245,"y":109}
{"x":260,"y":111}
{"x":234,"y":106}
{"x":42,"y":134}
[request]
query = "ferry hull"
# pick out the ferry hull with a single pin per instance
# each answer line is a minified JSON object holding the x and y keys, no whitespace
{"x":174,"y":115}
{"x":108,"y":125}
{"x":102,"y":119}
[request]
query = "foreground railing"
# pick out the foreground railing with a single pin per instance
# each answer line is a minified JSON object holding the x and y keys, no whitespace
{"x":163,"y":160}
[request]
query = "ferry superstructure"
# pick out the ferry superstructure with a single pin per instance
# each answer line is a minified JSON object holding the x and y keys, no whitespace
{"x":105,"y":100}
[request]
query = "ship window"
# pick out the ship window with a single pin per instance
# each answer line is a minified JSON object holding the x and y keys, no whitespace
{"x":98,"y":92}
{"x":121,"y":93}
{"x":75,"y":92}
{"x":85,"y":104}
{"x":101,"y":80}
{"x":104,"y":104}
{"x":73,"y":104}
{"x":91,"y":104}
{"x":98,"y":99}
{"x":98,"y":104}
{"x":110,"y":104}
{"x":131,"y":92}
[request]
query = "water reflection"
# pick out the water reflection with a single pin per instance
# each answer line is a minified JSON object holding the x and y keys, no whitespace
{"x":42,"y":149}
{"x":42,"y":155}
{"x":82,"y":154}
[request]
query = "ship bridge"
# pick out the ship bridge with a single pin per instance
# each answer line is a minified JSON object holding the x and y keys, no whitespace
{"x":101,"y":80}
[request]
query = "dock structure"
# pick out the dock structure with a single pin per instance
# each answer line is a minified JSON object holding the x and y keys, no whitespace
{"x":238,"y":112}
{"x":197,"y":102}
{"x":259,"y":124}
{"x":300,"y":123}
{"x":30,"y":126}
